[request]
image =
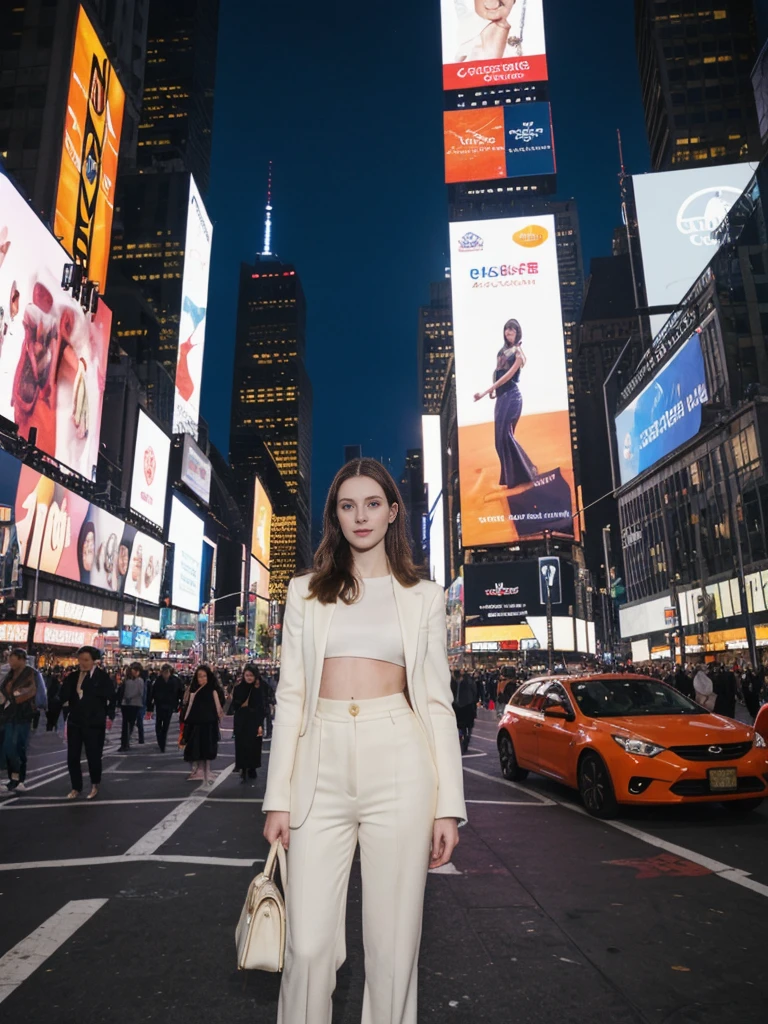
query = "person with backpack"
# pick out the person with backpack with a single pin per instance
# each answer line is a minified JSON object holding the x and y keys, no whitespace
{"x":17,"y":708}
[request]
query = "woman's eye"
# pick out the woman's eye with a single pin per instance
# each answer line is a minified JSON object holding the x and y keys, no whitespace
{"x":375,"y":504}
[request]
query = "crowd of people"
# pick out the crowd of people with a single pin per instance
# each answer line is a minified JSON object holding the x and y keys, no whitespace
{"x":84,"y":700}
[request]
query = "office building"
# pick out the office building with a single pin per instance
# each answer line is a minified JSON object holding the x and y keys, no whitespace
{"x":414,"y":497}
{"x":435,"y":346}
{"x":272,"y":401}
{"x":695,"y":62}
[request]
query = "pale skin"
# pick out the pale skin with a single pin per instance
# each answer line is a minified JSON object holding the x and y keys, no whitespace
{"x":493,"y":38}
{"x":365,"y":516}
{"x":510,"y":336}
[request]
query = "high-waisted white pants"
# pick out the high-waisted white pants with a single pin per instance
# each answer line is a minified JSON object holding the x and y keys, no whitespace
{"x":377,"y":785}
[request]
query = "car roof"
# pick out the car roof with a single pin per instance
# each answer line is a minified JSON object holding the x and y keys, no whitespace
{"x":588,"y":677}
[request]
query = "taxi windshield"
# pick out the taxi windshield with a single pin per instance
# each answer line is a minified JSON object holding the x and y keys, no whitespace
{"x":616,"y":698}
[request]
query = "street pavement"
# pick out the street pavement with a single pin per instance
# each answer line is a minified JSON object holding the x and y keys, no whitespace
{"x":124,"y":909}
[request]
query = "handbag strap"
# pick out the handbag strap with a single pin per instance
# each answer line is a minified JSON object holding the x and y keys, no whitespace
{"x":277,"y":853}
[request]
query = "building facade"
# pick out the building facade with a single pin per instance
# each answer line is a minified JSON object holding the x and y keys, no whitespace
{"x":435,"y":346}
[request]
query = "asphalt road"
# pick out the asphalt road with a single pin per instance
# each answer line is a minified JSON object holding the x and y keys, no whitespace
{"x":124,"y":909}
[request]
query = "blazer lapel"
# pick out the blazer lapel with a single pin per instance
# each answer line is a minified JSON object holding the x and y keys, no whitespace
{"x":409,"y":601}
{"x":321,"y":623}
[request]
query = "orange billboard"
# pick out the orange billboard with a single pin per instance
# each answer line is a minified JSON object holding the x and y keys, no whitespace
{"x":475,"y":145}
{"x":85,"y":199}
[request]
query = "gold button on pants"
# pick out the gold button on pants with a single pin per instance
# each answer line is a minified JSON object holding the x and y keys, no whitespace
{"x":354,"y":710}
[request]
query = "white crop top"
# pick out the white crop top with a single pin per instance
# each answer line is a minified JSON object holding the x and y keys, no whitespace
{"x":368,"y":628}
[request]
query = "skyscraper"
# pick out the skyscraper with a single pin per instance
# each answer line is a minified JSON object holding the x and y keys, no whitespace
{"x":695,"y":69}
{"x":272,"y":401}
{"x":435,"y":346}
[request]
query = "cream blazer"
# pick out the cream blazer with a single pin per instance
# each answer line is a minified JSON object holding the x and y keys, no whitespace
{"x":295,"y":752}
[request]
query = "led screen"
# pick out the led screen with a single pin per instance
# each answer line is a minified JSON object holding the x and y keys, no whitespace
{"x":61,"y":533}
{"x":262,"y":524}
{"x":515,"y":459}
{"x":678,"y":214}
{"x":196,"y":470}
{"x":53,"y":358}
{"x":186,"y":533}
{"x":433,"y":481}
{"x":493,"y":42}
{"x":508,"y":593}
{"x":194,"y":308}
{"x":150,"y":470}
{"x":499,"y":142}
{"x":259,"y":579}
{"x":665,"y":414}
{"x":85,"y":199}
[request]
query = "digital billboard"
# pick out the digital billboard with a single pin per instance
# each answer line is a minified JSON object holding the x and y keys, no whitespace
{"x":508,"y":593}
{"x":515,"y":458}
{"x":196,"y":470}
{"x":150,"y":470}
{"x":194,"y":308}
{"x":85,"y":199}
{"x":665,"y":414}
{"x":678,"y":214}
{"x":433,"y":481}
{"x":259,"y":584}
{"x":493,"y":42}
{"x":61,"y":533}
{"x":53,"y":357}
{"x":186,"y":532}
{"x":499,"y":142}
{"x":262,"y":524}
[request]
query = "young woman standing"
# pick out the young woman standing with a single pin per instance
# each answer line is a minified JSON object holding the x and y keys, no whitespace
{"x":202,"y":715}
{"x":364,"y":749}
{"x":249,"y":707}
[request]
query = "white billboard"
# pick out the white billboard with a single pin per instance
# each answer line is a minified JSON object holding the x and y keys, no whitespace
{"x":186,"y":533}
{"x":515,"y":458}
{"x":150,"y":470}
{"x":433,"y":480}
{"x":194,"y":307}
{"x":145,"y":568}
{"x":493,"y":42}
{"x":678,"y":214}
{"x":196,"y":470}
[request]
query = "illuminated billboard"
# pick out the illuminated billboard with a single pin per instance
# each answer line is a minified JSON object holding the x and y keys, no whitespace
{"x":678,"y":214}
{"x":493,"y":42}
{"x":515,"y":459}
{"x":508,"y":593}
{"x":150,"y":470}
{"x":85,"y":200}
{"x":196,"y":470}
{"x":53,"y":358}
{"x":433,"y":481}
{"x":61,"y":533}
{"x":262,"y":524}
{"x":259,"y":584}
{"x":665,"y":414}
{"x":194,"y":308}
{"x":499,"y":142}
{"x":186,"y":533}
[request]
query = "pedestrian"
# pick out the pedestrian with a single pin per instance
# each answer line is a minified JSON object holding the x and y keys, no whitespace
{"x":165,"y":698}
{"x":131,"y":700}
{"x":249,"y":706}
{"x":17,"y":708}
{"x":465,"y":708}
{"x":54,"y":702}
{"x":705,"y":691}
{"x":684,"y":683}
{"x":364,"y":749}
{"x":202,"y":716}
{"x":750,"y":688}
{"x":724,"y":686}
{"x":89,"y":695}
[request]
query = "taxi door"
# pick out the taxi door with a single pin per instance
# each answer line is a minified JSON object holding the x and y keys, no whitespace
{"x":556,"y":737}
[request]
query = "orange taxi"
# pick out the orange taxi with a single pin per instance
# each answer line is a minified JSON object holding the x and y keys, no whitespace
{"x":629,"y":739}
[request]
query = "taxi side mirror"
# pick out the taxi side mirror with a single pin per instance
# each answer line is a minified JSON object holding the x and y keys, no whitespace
{"x":559,"y":711}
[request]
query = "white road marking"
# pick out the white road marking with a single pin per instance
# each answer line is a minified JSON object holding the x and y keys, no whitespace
{"x":23,"y":960}
{"x":54,"y":802}
{"x":543,"y":800}
{"x":447,"y":869}
{"x":156,"y":858}
{"x":506,"y":803}
{"x":467,"y":756}
{"x":163,"y":830}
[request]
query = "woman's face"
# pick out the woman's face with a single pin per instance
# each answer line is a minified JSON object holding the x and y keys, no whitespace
{"x":200,"y":677}
{"x":510,"y":334}
{"x":363,"y":512}
{"x":89,"y":548}
{"x":249,"y":677}
{"x":122,"y":560}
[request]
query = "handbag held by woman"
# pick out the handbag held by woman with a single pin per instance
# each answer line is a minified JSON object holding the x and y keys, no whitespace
{"x":260,"y":933}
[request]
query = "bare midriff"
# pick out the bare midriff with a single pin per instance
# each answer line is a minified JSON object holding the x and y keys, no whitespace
{"x":360,"y":679}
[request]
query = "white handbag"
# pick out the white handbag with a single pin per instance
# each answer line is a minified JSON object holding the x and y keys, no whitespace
{"x":260,"y":933}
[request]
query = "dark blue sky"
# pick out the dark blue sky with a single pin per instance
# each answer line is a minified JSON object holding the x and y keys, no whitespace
{"x":346,"y":99}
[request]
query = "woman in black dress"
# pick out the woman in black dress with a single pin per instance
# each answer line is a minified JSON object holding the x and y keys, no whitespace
{"x":201,"y":724}
{"x":249,"y":706}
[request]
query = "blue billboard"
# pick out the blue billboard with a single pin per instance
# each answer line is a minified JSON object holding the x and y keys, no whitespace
{"x":665,"y":414}
{"x":529,"y":140}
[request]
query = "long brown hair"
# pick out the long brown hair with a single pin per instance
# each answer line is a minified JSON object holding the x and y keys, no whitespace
{"x":332,"y":575}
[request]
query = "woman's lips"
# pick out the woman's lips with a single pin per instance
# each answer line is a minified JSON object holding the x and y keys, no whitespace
{"x":363,"y":533}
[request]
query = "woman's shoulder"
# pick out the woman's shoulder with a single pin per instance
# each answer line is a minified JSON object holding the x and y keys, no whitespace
{"x":299,"y":585}
{"x":429,"y":589}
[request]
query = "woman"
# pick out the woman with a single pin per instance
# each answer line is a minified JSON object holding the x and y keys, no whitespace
{"x":249,"y":706}
{"x":203,"y":713}
{"x":516,"y":467}
{"x":364,"y":749}
{"x":131,"y":699}
{"x":484,"y":30}
{"x":465,"y":707}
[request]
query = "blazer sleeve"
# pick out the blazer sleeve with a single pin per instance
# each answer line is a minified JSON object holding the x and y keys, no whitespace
{"x":450,"y":773}
{"x":291,"y":692}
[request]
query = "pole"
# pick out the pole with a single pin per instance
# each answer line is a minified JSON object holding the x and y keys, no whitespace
{"x":33,"y":613}
{"x":550,"y":630}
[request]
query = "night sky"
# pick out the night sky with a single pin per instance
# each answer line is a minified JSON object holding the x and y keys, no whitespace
{"x":347,"y":101}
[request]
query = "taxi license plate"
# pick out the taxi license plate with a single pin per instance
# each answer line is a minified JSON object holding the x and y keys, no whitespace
{"x":723,"y":780}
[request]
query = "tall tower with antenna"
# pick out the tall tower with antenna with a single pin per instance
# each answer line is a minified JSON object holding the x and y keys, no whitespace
{"x":267,"y":250}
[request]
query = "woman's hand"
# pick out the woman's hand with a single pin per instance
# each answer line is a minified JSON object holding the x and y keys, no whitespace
{"x":261,"y":731}
{"x":494,"y":10}
{"x":278,"y":826}
{"x":445,"y":839}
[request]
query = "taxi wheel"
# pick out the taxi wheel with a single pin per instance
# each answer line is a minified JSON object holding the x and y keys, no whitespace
{"x":510,"y":769}
{"x":739,"y":807}
{"x":596,"y":788}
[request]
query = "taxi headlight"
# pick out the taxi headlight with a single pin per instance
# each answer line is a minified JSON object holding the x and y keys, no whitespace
{"x":759,"y":741}
{"x":636,"y":746}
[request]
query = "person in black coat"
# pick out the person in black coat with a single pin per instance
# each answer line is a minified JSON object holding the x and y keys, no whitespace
{"x":202,"y":715}
{"x":89,"y":695}
{"x":725,"y":690}
{"x":165,"y":698}
{"x":250,"y":706}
